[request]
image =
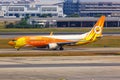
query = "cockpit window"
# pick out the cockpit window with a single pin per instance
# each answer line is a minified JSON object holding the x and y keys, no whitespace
{"x":13,"y":40}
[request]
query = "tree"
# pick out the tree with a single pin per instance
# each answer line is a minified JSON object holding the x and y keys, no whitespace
{"x":23,"y":22}
{"x":11,"y":25}
{"x":46,"y":15}
{"x":74,"y":15}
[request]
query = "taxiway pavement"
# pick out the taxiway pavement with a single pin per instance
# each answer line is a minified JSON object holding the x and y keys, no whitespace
{"x":35,"y":50}
{"x":60,"y":68}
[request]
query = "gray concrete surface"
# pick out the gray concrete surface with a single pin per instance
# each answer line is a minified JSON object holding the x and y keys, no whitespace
{"x":35,"y":50}
{"x":68,"y":68}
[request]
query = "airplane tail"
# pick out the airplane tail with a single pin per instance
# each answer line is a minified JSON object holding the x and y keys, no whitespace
{"x":96,"y":31}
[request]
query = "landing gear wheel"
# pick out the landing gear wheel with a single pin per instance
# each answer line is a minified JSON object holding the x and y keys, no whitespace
{"x":61,"y":48}
{"x":18,"y":49}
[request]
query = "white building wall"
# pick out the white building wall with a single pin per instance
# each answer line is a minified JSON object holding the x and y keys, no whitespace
{"x":1,"y":13}
{"x":49,"y":9}
{"x":4,"y":8}
{"x":32,"y":8}
{"x":60,"y":11}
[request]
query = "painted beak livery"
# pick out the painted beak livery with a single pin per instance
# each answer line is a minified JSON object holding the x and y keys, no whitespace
{"x":56,"y":42}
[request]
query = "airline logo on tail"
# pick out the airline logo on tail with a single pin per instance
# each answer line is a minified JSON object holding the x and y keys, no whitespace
{"x":97,"y":30}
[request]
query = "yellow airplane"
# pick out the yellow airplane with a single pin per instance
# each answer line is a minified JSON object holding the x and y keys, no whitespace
{"x":56,"y":42}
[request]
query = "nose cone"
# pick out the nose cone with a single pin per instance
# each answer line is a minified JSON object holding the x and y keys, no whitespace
{"x":12,"y":43}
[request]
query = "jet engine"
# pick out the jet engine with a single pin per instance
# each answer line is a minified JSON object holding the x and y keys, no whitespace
{"x":53,"y":46}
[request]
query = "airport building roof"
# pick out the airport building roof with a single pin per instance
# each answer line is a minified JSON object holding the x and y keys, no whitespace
{"x":78,"y":19}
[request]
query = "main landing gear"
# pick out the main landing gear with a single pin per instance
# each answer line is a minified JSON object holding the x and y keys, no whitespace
{"x":18,"y":49}
{"x":61,"y":48}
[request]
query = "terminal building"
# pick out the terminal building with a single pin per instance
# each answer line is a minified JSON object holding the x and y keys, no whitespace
{"x":76,"y":22}
{"x":71,"y":7}
{"x":57,"y":8}
{"x":99,"y":8}
{"x":89,"y":12}
{"x":92,"y":8}
{"x":37,"y":8}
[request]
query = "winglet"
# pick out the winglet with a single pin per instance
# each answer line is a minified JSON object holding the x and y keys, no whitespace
{"x":51,"y":33}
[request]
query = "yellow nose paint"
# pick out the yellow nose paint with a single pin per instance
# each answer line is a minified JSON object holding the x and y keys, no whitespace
{"x":12,"y":43}
{"x":20,"y":42}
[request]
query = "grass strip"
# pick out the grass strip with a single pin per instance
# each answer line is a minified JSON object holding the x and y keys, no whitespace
{"x":110,"y":30}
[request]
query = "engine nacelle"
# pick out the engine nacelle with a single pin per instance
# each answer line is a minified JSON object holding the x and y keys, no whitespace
{"x":52,"y":46}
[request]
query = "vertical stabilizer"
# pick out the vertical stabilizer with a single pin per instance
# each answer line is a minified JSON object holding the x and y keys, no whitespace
{"x":96,"y":31}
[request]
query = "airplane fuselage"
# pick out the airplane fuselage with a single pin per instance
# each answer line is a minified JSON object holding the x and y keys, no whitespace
{"x":58,"y":41}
